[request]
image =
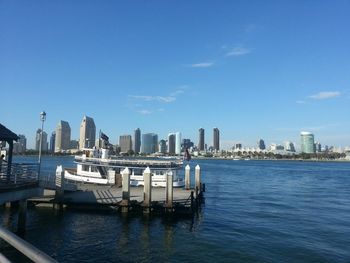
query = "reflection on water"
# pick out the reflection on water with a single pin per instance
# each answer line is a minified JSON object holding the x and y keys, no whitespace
{"x":254,"y":212}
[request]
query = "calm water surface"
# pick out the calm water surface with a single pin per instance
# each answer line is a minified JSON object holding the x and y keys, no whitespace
{"x":255,"y":211}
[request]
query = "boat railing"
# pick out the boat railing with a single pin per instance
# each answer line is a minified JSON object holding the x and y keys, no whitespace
{"x":121,"y":162}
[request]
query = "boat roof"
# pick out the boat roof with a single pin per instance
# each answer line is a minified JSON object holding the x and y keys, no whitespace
{"x":131,"y":163}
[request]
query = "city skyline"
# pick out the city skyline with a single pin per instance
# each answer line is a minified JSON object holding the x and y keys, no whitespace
{"x":255,"y":70}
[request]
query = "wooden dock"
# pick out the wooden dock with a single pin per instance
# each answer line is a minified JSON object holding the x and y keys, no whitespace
{"x":111,"y":198}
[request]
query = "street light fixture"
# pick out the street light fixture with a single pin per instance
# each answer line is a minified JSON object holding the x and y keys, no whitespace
{"x":42,"y":118}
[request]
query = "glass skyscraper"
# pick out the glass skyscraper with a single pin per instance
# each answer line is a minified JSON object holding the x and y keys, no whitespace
{"x":149,"y":143}
{"x":307,"y":142}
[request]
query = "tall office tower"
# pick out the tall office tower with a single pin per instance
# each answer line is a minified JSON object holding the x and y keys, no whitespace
{"x":52,"y":142}
{"x":63,"y":133}
{"x":201,"y":140}
{"x":178,"y":143}
{"x":289,"y":146}
{"x":149,"y":143}
{"x":125,"y":143}
{"x":87,"y":133}
{"x":22,"y":143}
{"x":162,"y":146}
{"x":261,"y":144}
{"x":216,"y":139}
{"x":307,"y":142}
{"x":37,"y":141}
{"x":137,"y":140}
{"x":171,"y":143}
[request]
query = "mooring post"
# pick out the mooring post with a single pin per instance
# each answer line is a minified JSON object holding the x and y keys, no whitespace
{"x":59,"y":182}
{"x":197,"y":180}
{"x":22,"y":214}
{"x":147,"y":190}
{"x":192,"y":201}
{"x":169,"y":191}
{"x":187,"y":177}
{"x":126,"y":190}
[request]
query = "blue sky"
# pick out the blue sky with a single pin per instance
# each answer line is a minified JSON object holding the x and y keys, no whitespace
{"x":254,"y":69}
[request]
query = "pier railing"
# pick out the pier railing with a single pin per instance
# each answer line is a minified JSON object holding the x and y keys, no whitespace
{"x":18,"y":174}
{"x":24,"y":247}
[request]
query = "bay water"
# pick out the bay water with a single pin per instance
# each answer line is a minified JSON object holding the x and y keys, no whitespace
{"x":254,"y":211}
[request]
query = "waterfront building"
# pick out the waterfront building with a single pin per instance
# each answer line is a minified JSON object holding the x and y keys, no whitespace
{"x":87,"y":133}
{"x":307,"y":142}
{"x":52,"y":142}
{"x":201,"y":143}
{"x":261,"y":144}
{"x":276,"y":147}
{"x":216,"y":139}
{"x":125,"y":143}
{"x":162,"y":146}
{"x":289,"y":146}
{"x":178,"y":143}
{"x":238,"y":146}
{"x":74,"y":144}
{"x":63,"y":134}
{"x":137,"y":140}
{"x":149,"y":143}
{"x":22,"y":143}
{"x":44,"y":144}
{"x":171,"y":143}
{"x":187,"y":144}
{"x":318,"y":147}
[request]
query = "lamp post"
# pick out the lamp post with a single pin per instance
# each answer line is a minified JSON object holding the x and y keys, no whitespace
{"x":42,"y":118}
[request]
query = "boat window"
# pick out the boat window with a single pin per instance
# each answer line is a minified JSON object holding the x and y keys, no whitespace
{"x":137,"y":171}
{"x":85,"y":168}
{"x":94,"y":169}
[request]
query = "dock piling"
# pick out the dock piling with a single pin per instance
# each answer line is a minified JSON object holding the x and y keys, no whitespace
{"x":126,"y":190}
{"x":197,"y":180}
{"x":147,"y":191}
{"x":59,"y":182}
{"x":22,"y":214}
{"x":169,"y":191}
{"x":187,"y":177}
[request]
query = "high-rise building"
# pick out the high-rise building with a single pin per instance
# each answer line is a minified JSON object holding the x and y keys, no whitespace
{"x":261,"y":144}
{"x":149,"y":143}
{"x":178,"y":143}
{"x":216,"y":139}
{"x":137,"y":140}
{"x":44,"y":142}
{"x":187,"y":144}
{"x":22,"y":143}
{"x":162,"y":146}
{"x":307,"y":142}
{"x":318,"y":147}
{"x":201,"y":140}
{"x":289,"y":146}
{"x":238,"y":146}
{"x":125,"y":143}
{"x":52,"y":142}
{"x":62,"y":139}
{"x":171,"y":143}
{"x":87,"y":133}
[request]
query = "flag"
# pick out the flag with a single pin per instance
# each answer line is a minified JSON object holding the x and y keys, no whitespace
{"x":104,"y":137}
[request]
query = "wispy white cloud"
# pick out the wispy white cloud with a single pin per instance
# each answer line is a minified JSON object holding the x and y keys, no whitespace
{"x":166,"y":99}
{"x":144,"y":112}
{"x":300,"y":101}
{"x":323,"y":95}
{"x":202,"y":65}
{"x":238,"y":51}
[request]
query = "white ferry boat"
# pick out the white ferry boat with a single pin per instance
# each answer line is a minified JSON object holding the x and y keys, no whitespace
{"x":97,"y":167}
